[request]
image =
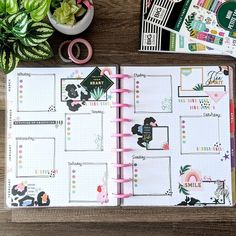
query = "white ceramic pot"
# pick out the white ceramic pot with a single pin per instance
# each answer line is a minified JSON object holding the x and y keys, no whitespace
{"x":78,"y":28}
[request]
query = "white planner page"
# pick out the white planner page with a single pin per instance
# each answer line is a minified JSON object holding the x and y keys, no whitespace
{"x":180,"y":136}
{"x":59,"y":146}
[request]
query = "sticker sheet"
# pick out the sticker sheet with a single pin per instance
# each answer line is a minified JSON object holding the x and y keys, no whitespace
{"x":156,"y":39}
{"x":59,"y":145}
{"x":181,"y":135}
{"x":207,"y":22}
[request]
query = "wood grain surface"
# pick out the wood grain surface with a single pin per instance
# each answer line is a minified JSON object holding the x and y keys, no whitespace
{"x":114,"y":35}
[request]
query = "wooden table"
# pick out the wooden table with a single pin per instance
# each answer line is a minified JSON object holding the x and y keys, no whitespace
{"x":114,"y":35}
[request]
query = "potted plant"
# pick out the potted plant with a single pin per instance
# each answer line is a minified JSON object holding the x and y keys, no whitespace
{"x":71,"y":17}
{"x":22,"y":34}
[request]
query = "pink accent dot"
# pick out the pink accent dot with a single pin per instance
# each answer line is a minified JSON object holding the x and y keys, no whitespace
{"x":136,"y":170}
{"x":68,"y":118}
{"x":21,"y":86}
{"x":137,"y":87}
{"x":20,"y":146}
{"x":20,"y":151}
{"x":68,"y":123}
{"x":73,"y":176}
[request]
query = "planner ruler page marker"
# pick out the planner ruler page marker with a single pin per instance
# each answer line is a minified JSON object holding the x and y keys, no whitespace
{"x":199,"y":20}
{"x":156,"y":39}
{"x":180,"y":143}
{"x":59,"y":145}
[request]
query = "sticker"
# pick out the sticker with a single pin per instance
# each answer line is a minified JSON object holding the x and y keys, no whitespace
{"x":226,"y":16}
{"x":26,"y":195}
{"x":158,"y":12}
{"x":97,"y":84}
{"x":150,"y":39}
{"x":152,"y":136}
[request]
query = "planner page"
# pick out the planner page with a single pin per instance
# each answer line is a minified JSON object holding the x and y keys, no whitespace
{"x":180,"y":143}
{"x":210,"y":22}
{"x":156,"y":39}
{"x":59,"y":145}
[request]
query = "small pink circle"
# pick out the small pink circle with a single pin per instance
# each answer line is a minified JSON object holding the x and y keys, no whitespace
{"x":20,"y":146}
{"x":137,"y":87}
{"x":68,"y":123}
{"x":20,"y":151}
{"x":73,"y":176}
{"x":21,"y":86}
{"x":183,"y":126}
{"x":136,"y":170}
{"x":68,"y":118}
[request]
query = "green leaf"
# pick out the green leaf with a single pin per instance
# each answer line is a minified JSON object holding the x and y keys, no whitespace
{"x":198,"y":87}
{"x":17,"y":24}
{"x":40,"y":52}
{"x":38,"y":32}
{"x":37,"y":8}
{"x":184,"y":169}
{"x":66,"y":13}
{"x":8,"y":6}
{"x":183,"y":190}
{"x":8,"y":60}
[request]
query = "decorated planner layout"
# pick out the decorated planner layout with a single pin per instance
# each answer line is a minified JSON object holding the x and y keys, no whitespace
{"x":156,"y":39}
{"x":208,"y":22}
{"x":59,"y":145}
{"x":180,"y":148}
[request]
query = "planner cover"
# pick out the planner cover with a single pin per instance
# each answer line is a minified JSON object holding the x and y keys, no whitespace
{"x":182,"y":136}
{"x":156,"y":39}
{"x":58,"y":132}
{"x":209,"y":22}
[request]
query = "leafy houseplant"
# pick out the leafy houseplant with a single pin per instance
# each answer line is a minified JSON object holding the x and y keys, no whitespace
{"x":67,"y":11}
{"x":22,"y":34}
{"x":71,"y":16}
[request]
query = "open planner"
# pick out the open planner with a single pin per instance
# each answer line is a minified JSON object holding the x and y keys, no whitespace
{"x":120,"y":136}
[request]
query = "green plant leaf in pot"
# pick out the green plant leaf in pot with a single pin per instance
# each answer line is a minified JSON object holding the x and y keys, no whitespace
{"x":37,"y":8}
{"x":38,"y":32}
{"x":8,"y":6}
{"x":66,"y":13}
{"x":40,"y":52}
{"x":8,"y":59}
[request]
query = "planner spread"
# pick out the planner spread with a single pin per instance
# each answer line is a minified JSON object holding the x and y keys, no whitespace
{"x":129,"y":136}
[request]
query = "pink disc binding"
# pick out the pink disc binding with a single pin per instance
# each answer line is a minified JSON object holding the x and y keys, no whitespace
{"x":122,"y":165}
{"x":123,"y":195}
{"x":120,"y":76}
{"x":123,"y":150}
{"x":120,"y":105}
{"x":122,"y":180}
{"x":121,"y":135}
{"x":121,"y":91}
{"x":122,"y":120}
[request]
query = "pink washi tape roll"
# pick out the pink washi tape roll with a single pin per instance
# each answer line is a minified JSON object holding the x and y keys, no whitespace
{"x":67,"y":60}
{"x":88,"y":46}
